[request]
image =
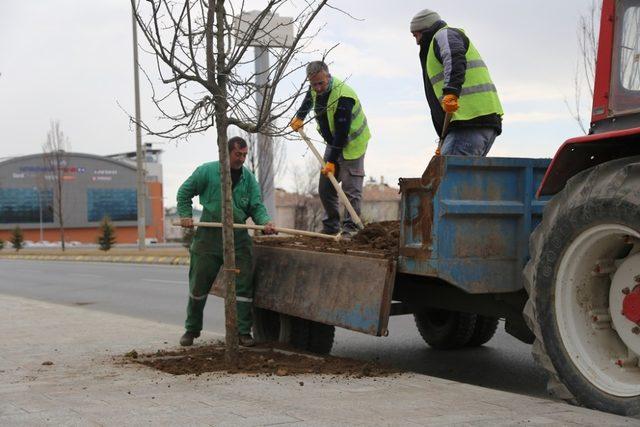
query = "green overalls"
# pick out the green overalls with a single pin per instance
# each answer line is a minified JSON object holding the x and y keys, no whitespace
{"x":206,"y":249}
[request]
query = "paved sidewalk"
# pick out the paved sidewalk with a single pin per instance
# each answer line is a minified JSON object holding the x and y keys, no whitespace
{"x":84,"y":386}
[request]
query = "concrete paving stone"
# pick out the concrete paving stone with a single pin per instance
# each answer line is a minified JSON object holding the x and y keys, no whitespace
{"x":592,"y":418}
{"x":77,"y":399}
{"x":556,"y":410}
{"x":268,"y":420}
{"x":9,"y":389}
{"x":32,"y":402}
{"x":155,"y":415}
{"x":507,"y":422}
{"x":55,"y":417}
{"x":9,"y":409}
{"x":23,"y":420}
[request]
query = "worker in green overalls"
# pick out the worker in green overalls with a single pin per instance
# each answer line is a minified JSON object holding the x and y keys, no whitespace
{"x":206,"y":249}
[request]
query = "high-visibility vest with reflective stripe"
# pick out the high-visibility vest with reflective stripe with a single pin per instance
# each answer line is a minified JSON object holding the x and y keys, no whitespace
{"x":478,"y":96}
{"x":359,"y":134}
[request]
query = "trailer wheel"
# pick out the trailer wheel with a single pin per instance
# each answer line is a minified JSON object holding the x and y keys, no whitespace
{"x":484,"y":330}
{"x":584,"y":298}
{"x":321,"y":337}
{"x":300,"y":333}
{"x":266,"y":325}
{"x":445,"y":329}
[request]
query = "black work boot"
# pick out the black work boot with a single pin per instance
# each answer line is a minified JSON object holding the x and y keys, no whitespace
{"x":328,"y":231}
{"x":188,"y":337}
{"x":246,"y":340}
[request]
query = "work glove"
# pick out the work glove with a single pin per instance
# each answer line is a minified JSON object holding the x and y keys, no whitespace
{"x":186,"y":222}
{"x":450,"y":103}
{"x":296,"y":124}
{"x":329,"y":167}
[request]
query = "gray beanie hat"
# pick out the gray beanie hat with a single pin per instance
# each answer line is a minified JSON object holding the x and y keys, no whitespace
{"x":423,"y":20}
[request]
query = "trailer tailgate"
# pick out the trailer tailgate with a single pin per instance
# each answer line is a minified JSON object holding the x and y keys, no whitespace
{"x":353,"y":292}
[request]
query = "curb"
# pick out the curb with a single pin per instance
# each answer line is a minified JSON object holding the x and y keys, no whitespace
{"x":129,"y":259}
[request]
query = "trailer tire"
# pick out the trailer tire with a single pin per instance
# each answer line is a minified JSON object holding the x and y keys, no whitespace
{"x":266,"y":325}
{"x":303,"y":334}
{"x":321,"y":337}
{"x":484,"y":330}
{"x":445,"y":329}
{"x":589,"y":235}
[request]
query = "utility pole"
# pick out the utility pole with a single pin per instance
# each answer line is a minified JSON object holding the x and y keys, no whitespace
{"x":140,"y":181}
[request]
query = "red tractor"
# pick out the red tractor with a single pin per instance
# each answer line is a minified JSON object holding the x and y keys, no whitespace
{"x":583,"y":277}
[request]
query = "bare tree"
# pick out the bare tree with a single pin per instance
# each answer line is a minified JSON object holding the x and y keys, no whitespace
{"x":200,"y":55}
{"x":586,"y":66}
{"x":55,"y":158}
{"x":308,"y":209}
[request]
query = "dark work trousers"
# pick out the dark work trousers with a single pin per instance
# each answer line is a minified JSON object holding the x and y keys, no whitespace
{"x":203,"y":270}
{"x":350,"y":173}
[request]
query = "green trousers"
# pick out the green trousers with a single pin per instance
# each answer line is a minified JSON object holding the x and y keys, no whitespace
{"x":202,"y":272}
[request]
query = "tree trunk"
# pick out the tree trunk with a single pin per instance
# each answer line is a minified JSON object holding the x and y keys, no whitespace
{"x":229,"y":256}
{"x":216,"y":63}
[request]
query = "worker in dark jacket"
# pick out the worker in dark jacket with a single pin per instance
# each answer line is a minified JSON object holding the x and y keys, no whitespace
{"x":206,"y":249}
{"x":457,"y":82}
{"x":343,"y":126}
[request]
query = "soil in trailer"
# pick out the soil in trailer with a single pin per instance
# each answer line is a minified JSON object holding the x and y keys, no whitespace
{"x":376,"y":239}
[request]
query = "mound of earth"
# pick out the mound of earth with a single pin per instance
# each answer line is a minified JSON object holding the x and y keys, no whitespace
{"x":376,"y":239}
{"x":265,"y":359}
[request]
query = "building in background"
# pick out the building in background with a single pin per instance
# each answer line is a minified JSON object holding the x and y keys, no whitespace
{"x":93,"y":187}
{"x":380,"y":202}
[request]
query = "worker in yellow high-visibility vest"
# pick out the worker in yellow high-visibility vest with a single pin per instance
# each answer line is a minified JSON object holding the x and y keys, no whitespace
{"x":343,"y":125}
{"x":457,"y":81}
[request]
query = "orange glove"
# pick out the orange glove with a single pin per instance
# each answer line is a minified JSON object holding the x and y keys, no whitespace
{"x":328,"y":168}
{"x":450,"y":103}
{"x":296,"y":124}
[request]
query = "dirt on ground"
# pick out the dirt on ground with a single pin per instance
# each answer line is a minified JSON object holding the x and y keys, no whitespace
{"x":376,"y":239}
{"x":266,"y":359}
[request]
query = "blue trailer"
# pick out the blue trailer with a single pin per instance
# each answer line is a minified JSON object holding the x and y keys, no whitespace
{"x":464,"y":233}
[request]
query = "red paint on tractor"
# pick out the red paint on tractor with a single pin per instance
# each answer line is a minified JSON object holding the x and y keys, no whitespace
{"x":631,"y":305}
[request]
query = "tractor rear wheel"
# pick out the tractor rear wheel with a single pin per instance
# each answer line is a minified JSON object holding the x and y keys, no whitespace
{"x":583,"y":282}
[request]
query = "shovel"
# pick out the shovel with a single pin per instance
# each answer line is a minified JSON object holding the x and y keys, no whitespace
{"x":282,"y":230}
{"x":445,"y":126}
{"x":334,"y":182}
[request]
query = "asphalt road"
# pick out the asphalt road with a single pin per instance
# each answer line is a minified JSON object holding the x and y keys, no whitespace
{"x":159,"y":293}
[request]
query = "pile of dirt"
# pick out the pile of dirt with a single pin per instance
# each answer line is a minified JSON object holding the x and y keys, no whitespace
{"x":267,"y":359}
{"x":376,"y":239}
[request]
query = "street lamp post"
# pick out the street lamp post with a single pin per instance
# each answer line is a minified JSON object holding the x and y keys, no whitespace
{"x":275,"y":32}
{"x":140,"y":178}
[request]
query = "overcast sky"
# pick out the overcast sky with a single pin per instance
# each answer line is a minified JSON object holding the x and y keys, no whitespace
{"x":71,"y":60}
